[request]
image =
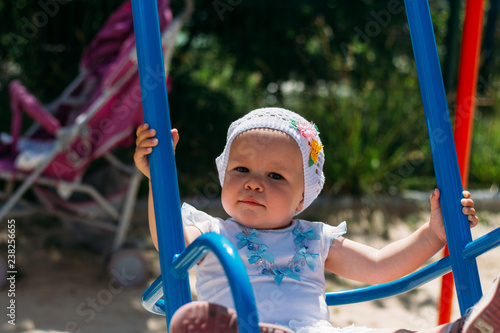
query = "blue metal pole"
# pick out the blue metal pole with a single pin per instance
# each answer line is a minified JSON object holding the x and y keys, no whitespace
{"x":399,"y":286}
{"x":473,"y":249}
{"x":241,"y":289}
{"x":162,"y":164}
{"x":482,"y":244}
{"x":444,"y":156}
{"x":234,"y":268}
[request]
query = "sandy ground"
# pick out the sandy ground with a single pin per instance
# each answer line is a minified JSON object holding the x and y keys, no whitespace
{"x":61,"y":286}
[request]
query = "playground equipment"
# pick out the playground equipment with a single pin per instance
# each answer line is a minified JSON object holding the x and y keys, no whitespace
{"x":96,"y":114}
{"x":464,"y":115}
{"x":175,"y":259}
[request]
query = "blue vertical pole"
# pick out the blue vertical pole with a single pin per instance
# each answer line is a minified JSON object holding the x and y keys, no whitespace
{"x":443,"y":151}
{"x":161,"y":160}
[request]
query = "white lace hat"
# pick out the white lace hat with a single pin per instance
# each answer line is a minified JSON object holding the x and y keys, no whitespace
{"x":305,"y":133}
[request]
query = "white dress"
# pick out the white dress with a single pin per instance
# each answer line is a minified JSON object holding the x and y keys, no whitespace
{"x":285,"y":268}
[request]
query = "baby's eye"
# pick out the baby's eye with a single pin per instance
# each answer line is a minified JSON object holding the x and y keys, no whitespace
{"x":275,"y":175}
{"x":241,"y":169}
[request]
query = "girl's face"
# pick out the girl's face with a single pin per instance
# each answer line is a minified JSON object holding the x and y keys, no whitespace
{"x":264,"y":181}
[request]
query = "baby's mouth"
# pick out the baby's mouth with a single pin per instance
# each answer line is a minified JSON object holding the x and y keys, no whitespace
{"x":251,"y":202}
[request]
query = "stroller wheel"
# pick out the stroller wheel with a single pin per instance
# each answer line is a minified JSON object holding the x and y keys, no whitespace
{"x":128,"y":268}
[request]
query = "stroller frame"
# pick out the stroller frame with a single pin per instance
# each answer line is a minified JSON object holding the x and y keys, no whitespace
{"x":66,"y":136}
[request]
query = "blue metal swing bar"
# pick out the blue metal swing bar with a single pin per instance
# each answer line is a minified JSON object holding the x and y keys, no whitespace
{"x":161,"y":161}
{"x":462,"y":250}
{"x":416,"y":279}
{"x":467,"y":283}
{"x":175,"y":259}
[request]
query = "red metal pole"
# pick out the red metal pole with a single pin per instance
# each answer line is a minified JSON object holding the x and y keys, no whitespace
{"x":464,"y":115}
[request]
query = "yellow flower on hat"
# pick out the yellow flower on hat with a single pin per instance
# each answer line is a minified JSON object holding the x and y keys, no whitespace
{"x":315,"y":150}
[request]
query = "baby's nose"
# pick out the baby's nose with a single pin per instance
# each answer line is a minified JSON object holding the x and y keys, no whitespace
{"x":254,"y":185}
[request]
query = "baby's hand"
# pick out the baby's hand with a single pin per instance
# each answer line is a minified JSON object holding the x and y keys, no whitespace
{"x":436,"y":220}
{"x":144,"y":146}
{"x":469,"y":209}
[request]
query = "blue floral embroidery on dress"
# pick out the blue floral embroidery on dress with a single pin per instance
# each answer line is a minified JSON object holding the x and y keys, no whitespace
{"x":247,"y":239}
{"x":309,"y":234}
{"x":258,"y":253}
{"x":280,"y":274}
{"x":253,"y":257}
{"x":309,"y":257}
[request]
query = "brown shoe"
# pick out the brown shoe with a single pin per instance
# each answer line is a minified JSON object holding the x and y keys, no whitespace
{"x":204,"y":317}
{"x":485,"y":315}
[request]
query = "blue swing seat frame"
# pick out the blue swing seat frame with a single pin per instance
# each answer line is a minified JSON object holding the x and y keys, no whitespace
{"x":176,"y":259}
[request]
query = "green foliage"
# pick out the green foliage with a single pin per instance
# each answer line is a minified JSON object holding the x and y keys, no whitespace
{"x":346,"y":65}
{"x":202,"y":116}
{"x":485,"y":151}
{"x":41,"y":43}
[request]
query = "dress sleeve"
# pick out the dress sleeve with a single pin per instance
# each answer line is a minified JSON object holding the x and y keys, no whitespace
{"x":328,"y":234}
{"x":332,"y":232}
{"x":201,"y":220}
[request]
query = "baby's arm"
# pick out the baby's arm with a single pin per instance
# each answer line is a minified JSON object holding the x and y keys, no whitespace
{"x":144,"y":146}
{"x":362,"y":263}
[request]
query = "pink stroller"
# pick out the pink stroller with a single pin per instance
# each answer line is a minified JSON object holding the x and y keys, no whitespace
{"x":97,"y":113}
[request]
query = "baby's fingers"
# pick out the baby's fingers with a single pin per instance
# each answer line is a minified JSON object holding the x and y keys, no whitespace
{"x":468,"y":211}
{"x":146,"y":136}
{"x":147,"y":143}
{"x":473,"y":220}
{"x":435,"y":203}
{"x":471,"y":216}
{"x":142,"y":151}
{"x":141,"y":129}
{"x":467,"y":203}
{"x":175,"y":137}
